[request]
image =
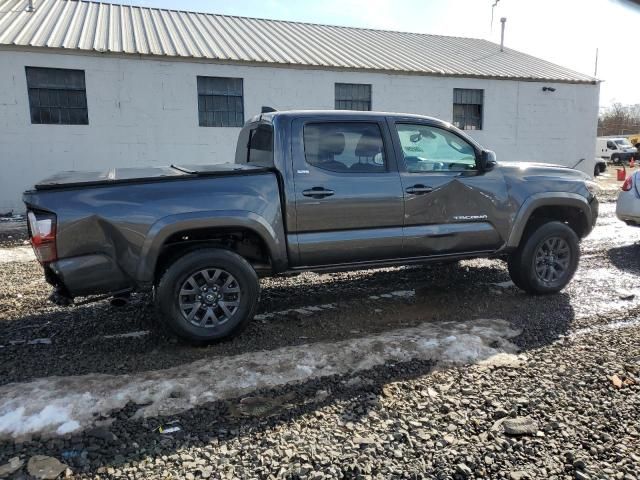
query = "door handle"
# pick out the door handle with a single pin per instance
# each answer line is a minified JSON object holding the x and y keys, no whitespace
{"x":419,"y":189}
{"x":317,"y":192}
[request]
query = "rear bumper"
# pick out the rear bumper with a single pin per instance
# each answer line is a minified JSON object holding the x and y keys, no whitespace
{"x":87,"y":275}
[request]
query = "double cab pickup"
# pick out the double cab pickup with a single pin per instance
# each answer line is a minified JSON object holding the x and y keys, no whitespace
{"x":308,"y":191}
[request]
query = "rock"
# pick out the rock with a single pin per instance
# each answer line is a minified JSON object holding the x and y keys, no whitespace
{"x":581,"y":475}
{"x":616,"y":381}
{"x":520,"y":426}
{"x":364,"y":441}
{"x":102,"y":433}
{"x":464,"y":470}
{"x":500,"y":413}
{"x":579,"y":465}
{"x":45,"y":468}
{"x":10,"y":467}
{"x":626,"y":295}
{"x":519,"y":475}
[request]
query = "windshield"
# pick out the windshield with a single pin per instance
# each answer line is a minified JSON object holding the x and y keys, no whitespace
{"x":623,"y":142}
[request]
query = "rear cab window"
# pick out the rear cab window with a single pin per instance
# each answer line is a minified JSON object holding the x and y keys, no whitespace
{"x":255,"y":145}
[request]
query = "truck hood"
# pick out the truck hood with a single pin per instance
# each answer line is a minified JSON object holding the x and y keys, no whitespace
{"x":533,"y":169}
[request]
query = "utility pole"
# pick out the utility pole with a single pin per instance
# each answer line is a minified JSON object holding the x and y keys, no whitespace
{"x":595,"y":70}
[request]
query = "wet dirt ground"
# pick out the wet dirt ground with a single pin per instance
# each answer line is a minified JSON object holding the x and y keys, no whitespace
{"x":419,"y":410}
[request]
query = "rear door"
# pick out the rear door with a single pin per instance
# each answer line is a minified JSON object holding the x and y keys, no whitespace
{"x":348,"y":195}
{"x":451,"y":206}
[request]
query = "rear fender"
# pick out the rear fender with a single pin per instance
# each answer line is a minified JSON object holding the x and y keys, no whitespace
{"x":273,"y":236}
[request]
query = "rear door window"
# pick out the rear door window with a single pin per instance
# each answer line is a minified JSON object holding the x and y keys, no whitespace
{"x":345,"y":147}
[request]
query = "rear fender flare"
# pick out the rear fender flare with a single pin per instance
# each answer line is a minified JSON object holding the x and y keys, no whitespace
{"x":161,"y":230}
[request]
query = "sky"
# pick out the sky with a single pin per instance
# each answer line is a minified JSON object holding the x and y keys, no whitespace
{"x":566,"y":32}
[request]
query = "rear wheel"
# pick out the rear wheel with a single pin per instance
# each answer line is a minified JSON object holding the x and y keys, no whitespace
{"x":207,"y":295}
{"x":546,"y":259}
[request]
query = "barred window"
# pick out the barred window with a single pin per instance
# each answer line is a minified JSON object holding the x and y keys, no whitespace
{"x":57,"y":96}
{"x":353,"y":96}
{"x":467,"y":108}
{"x":220,"y":102}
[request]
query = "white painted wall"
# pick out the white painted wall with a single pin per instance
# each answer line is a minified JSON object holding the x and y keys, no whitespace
{"x":144,"y":111}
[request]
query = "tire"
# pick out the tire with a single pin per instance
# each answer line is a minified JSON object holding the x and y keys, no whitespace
{"x":537,"y":250}
{"x":596,"y":170}
{"x":602,"y":167}
{"x":221,"y":286}
{"x":615,"y":159}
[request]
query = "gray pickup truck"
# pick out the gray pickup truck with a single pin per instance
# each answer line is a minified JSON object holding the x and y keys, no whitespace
{"x":308,"y":191}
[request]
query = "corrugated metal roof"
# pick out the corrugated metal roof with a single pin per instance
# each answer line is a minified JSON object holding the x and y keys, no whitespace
{"x":124,"y":29}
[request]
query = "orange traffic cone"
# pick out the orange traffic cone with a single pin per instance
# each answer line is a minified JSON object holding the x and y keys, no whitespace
{"x":632,"y":163}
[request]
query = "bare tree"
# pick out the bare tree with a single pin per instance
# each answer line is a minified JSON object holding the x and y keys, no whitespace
{"x":619,"y":119}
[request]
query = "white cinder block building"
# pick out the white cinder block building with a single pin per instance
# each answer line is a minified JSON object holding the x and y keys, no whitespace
{"x":87,"y":85}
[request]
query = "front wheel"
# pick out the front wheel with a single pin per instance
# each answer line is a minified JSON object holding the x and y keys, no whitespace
{"x":546,"y":259}
{"x":207,"y":295}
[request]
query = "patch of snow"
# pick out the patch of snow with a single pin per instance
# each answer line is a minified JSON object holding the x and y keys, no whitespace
{"x":21,"y":421}
{"x":621,"y":325}
{"x":507,"y":284}
{"x":17,"y":254}
{"x":68,"y":427}
{"x":49,"y":405}
{"x":138,"y":334}
{"x":170,"y":430}
{"x":404,"y":293}
{"x":503,"y":359}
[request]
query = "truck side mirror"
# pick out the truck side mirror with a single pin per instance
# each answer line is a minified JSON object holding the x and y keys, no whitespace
{"x":488,"y":160}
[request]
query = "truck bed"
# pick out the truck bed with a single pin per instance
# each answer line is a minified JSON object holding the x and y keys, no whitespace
{"x":74,"y":179}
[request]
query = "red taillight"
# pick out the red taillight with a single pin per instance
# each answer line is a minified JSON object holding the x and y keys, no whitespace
{"x":628,"y":184}
{"x":42,"y":229}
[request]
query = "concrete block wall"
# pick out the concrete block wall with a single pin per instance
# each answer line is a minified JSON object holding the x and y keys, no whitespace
{"x":144,"y":111}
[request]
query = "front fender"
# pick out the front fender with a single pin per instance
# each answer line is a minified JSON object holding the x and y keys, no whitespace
{"x":546,"y":199}
{"x":161,"y":230}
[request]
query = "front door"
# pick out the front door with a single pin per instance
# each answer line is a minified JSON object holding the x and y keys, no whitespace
{"x":451,"y":206}
{"x":348,"y":194}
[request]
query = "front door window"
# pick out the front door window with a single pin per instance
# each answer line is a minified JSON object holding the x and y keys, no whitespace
{"x":431,"y":149}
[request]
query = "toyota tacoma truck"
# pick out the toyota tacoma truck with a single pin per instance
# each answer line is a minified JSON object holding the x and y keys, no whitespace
{"x":308,"y":191}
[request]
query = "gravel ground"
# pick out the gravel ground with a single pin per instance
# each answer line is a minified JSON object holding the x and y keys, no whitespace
{"x":568,"y":408}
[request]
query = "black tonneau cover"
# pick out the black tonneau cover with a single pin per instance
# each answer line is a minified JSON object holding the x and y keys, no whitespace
{"x":143,"y":174}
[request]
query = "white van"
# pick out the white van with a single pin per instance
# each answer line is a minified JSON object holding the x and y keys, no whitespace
{"x":615,"y":149}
